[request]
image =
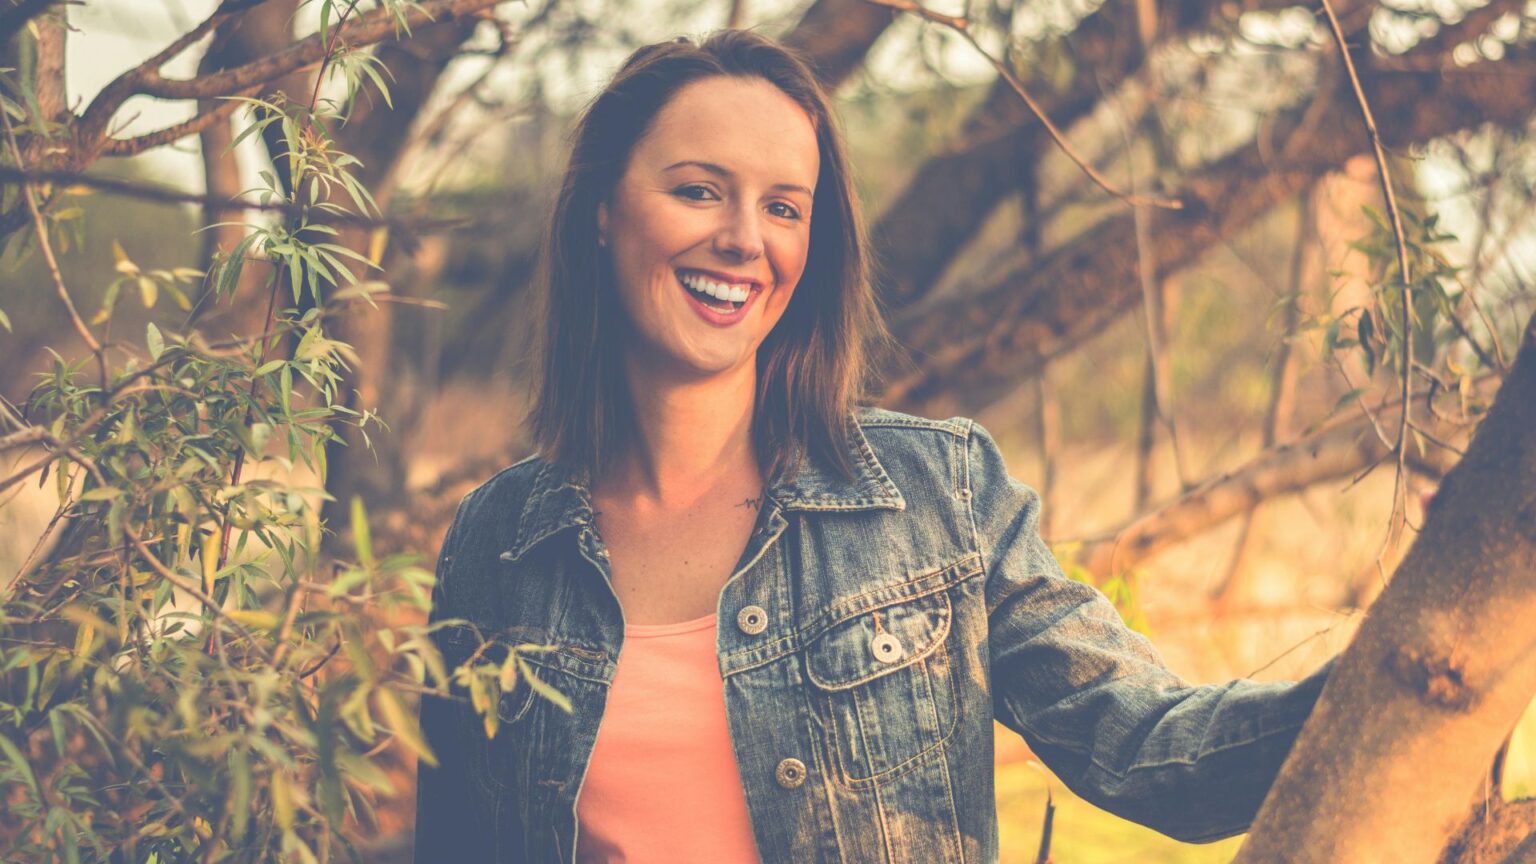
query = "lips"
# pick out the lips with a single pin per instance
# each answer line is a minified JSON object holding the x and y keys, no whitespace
{"x":706,"y":310}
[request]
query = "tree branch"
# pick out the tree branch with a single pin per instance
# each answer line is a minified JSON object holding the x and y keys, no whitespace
{"x":961,"y":27}
{"x":1405,"y":326}
{"x":1338,"y":451}
{"x":171,"y":134}
{"x":1002,"y":331}
{"x":145,"y":79}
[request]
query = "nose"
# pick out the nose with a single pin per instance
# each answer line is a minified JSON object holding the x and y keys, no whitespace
{"x":740,"y":238}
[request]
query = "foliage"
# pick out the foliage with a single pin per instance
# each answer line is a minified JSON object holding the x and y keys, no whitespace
{"x":183,"y":678}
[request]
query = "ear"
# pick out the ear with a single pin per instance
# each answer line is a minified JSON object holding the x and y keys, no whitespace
{"x":602,"y":223}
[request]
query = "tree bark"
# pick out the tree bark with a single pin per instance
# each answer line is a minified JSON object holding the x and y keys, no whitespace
{"x":1438,"y":673}
{"x":834,"y":35}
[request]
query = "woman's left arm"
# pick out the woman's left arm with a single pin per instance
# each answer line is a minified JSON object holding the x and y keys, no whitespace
{"x":1094,"y":699}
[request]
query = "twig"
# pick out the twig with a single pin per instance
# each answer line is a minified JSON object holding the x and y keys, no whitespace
{"x":53,"y":263}
{"x":150,"y":192}
{"x":1400,"y":483}
{"x":145,"y":79}
{"x":1281,"y":391}
{"x":161,"y":137}
{"x":962,"y":27}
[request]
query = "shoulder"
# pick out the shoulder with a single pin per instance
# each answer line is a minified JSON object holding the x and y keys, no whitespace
{"x":916,"y":451}
{"x":501,"y":497}
{"x":959,"y":444}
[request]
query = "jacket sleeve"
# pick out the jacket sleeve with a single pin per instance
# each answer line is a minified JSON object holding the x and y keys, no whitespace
{"x":1095,"y":701}
{"x":447,"y":825}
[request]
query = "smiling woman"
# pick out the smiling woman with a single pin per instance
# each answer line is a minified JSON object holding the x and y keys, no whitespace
{"x":784,"y":622}
{"x":715,"y":207}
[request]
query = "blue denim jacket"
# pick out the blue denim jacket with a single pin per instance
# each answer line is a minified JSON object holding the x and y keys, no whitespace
{"x":869,"y":634}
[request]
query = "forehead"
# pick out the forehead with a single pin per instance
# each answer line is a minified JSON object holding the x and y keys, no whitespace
{"x":745,"y":124}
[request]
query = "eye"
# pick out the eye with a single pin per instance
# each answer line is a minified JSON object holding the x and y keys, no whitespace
{"x":783,"y":210}
{"x":695,"y":192}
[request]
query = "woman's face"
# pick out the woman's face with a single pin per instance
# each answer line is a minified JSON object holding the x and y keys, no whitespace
{"x":709,"y":225}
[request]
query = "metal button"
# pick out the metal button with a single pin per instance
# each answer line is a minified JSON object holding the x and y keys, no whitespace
{"x":887,"y":648}
{"x":752,"y":620}
{"x":791,"y":773}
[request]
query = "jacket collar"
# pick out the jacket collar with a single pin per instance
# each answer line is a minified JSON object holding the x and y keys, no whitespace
{"x":561,"y":497}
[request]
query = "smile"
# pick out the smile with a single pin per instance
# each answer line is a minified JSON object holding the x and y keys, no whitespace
{"x":717,"y":301}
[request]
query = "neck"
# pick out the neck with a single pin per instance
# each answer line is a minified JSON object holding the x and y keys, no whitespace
{"x":693,"y":437}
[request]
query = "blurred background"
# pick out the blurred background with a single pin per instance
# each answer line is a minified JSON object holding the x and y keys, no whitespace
{"x":1190,"y":389}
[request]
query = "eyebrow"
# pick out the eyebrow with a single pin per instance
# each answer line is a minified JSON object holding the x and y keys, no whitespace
{"x":727,"y":173}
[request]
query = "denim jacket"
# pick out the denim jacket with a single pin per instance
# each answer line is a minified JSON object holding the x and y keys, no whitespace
{"x":868,"y":636}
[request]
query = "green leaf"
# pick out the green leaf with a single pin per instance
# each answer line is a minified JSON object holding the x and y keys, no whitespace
{"x":124,"y":265}
{"x":360,"y":536}
{"x":541,"y":687}
{"x":240,"y":791}
{"x":156,"y":342}
{"x":5,"y":322}
{"x":149,"y":291}
{"x":23,"y":767}
{"x":403,"y":725}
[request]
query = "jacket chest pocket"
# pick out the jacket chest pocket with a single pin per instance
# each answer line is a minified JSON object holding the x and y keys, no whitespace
{"x":883,"y":690}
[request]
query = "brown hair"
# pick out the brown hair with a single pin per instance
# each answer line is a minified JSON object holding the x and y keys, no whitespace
{"x":811,"y":366}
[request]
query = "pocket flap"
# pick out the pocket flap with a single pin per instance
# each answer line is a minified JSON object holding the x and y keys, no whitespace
{"x":858,"y":649}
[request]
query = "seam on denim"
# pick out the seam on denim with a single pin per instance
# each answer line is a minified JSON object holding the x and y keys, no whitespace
{"x":578,"y":674}
{"x":886,"y":840}
{"x":907,"y":766}
{"x":890,"y":595}
{"x":923,"y":423}
{"x":949,"y":793}
{"x":970,"y":509}
{"x":878,"y":414}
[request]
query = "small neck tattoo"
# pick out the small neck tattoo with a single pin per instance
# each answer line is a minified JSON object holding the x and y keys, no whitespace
{"x":752,"y":503}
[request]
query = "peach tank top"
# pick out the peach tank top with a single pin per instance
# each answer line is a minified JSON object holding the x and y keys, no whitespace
{"x":662,"y":784}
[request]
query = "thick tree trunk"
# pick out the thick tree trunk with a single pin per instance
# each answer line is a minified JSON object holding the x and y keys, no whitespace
{"x":1412,"y":714}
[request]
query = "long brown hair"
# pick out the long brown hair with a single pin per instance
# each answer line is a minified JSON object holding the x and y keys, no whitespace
{"x":811,"y":366}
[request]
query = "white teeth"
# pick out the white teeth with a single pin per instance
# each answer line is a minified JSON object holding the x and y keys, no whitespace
{"x":718,"y":290}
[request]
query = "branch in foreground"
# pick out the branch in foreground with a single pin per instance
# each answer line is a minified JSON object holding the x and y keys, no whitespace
{"x":1414,"y":710}
{"x":1339,"y":451}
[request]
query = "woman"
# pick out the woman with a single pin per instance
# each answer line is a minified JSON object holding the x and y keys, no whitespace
{"x":881,"y":589}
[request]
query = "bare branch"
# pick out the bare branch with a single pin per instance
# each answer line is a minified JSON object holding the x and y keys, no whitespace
{"x":171,"y":134}
{"x":1400,"y":487}
{"x":1334,"y":452}
{"x":150,"y":192}
{"x":41,"y":226}
{"x":145,"y":79}
{"x":961,"y":27}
